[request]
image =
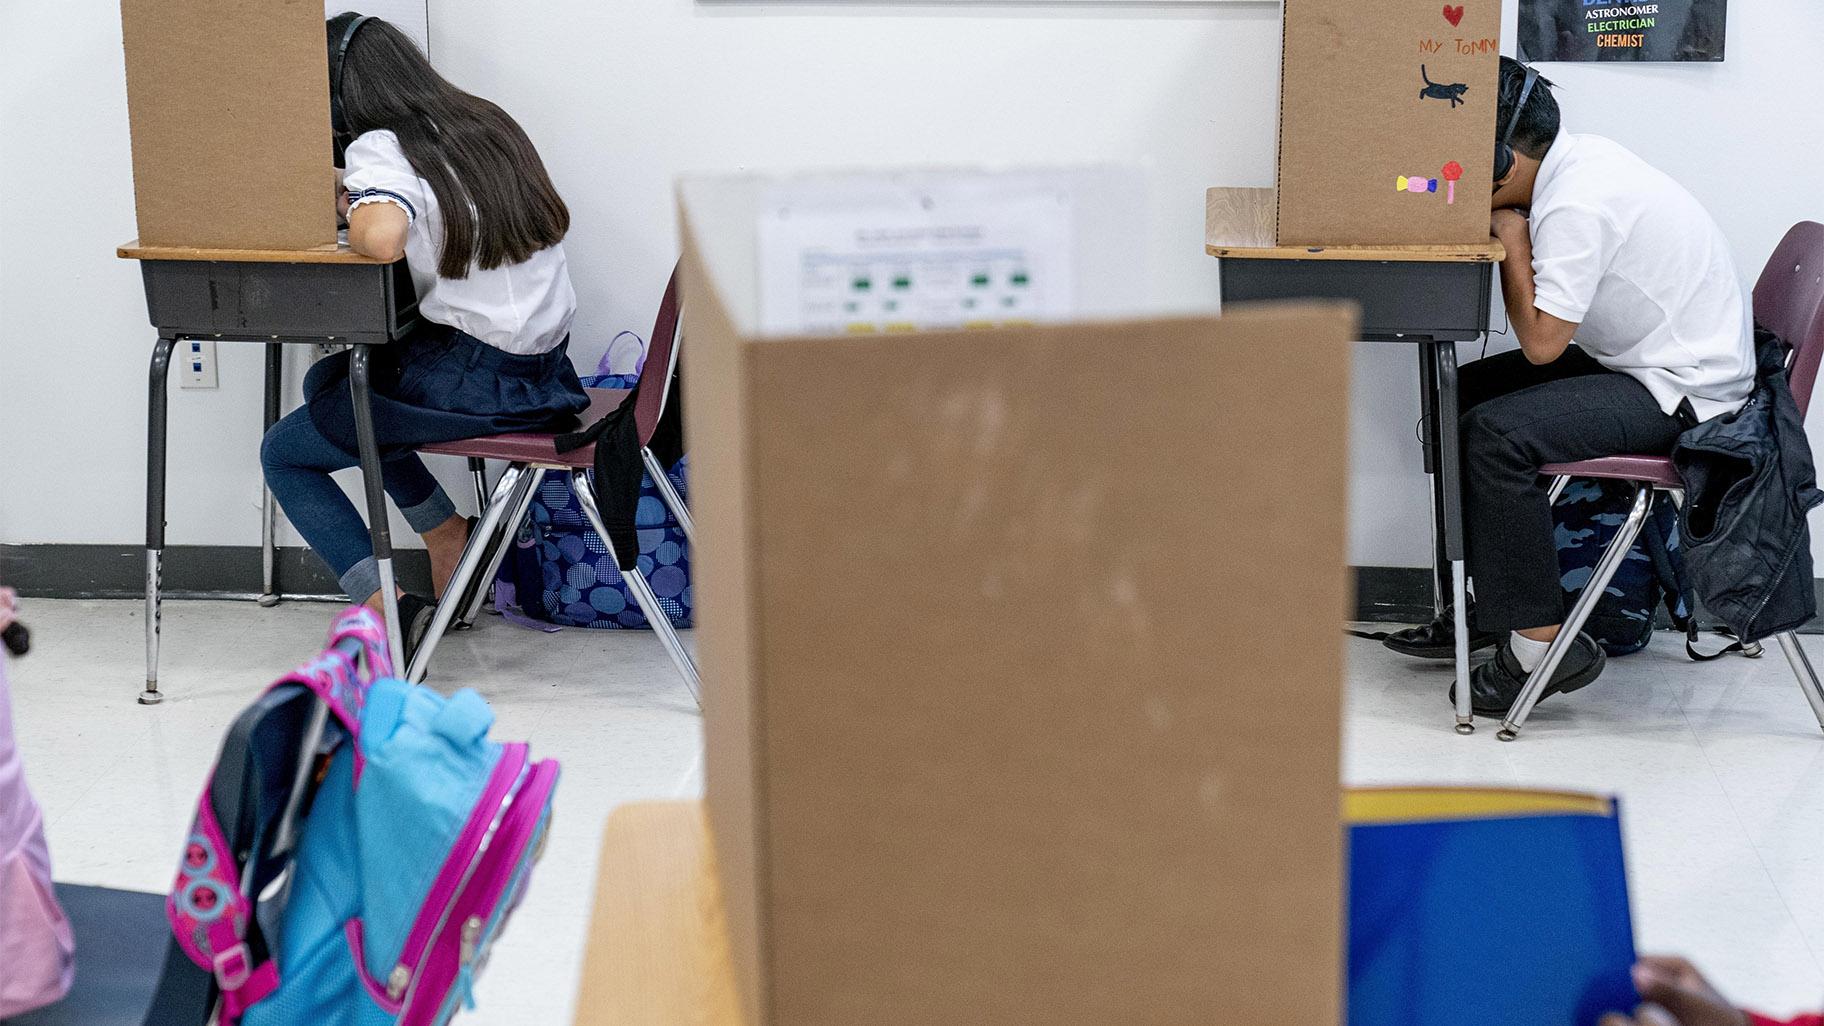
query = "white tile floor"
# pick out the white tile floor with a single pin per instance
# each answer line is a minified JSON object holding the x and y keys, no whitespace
{"x":1720,"y":766}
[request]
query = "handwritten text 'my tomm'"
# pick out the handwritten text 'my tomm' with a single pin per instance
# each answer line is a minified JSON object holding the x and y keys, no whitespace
{"x":1463,"y":47}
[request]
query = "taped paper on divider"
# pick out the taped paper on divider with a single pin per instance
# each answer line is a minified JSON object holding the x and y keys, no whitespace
{"x":867,"y":253}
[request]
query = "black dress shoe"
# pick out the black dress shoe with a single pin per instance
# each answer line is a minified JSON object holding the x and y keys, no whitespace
{"x":1437,"y":639}
{"x":415,"y":615}
{"x":1495,"y":684}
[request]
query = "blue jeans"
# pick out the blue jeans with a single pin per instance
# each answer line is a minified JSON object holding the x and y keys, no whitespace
{"x":298,"y":461}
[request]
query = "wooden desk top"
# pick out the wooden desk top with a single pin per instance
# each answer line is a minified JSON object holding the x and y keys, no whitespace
{"x":337,"y":254}
{"x":1239,"y":225}
{"x":658,"y":941}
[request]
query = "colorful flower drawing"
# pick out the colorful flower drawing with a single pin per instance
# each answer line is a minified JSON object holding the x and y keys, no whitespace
{"x":1452,"y":171}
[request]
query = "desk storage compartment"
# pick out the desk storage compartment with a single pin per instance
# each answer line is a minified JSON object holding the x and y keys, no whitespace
{"x":366,"y":303}
{"x":1400,"y":301}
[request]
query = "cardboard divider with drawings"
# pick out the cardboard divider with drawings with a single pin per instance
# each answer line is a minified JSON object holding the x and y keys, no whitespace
{"x":1387,"y":121}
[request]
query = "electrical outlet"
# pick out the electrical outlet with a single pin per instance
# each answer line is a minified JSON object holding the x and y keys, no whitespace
{"x":198,"y":359}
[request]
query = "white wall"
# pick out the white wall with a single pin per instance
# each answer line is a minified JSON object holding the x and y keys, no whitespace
{"x":621,"y":97}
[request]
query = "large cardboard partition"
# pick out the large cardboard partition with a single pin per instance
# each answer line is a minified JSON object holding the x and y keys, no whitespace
{"x":1387,"y":121}
{"x":229,"y":106}
{"x":992,"y":732}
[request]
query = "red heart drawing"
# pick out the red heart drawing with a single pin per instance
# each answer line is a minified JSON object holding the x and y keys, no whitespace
{"x":1454,"y":15}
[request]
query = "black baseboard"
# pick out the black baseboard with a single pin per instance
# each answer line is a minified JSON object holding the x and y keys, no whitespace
{"x":1383,"y":594}
{"x":1393,"y":594}
{"x":1402,"y":594}
{"x":190,"y":571}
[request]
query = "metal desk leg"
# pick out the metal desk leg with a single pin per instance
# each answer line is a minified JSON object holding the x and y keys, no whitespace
{"x":1450,"y":467}
{"x":155,"y":508}
{"x":269,"y":576}
{"x":1428,"y":446}
{"x":372,"y":482}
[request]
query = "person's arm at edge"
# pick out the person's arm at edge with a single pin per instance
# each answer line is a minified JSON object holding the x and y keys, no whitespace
{"x":378,"y":230}
{"x":1542,"y":337}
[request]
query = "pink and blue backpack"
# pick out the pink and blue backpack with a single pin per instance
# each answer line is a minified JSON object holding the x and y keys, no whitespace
{"x":375,"y":899}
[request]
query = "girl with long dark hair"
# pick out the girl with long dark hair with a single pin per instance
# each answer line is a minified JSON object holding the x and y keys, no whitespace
{"x":450,"y":182}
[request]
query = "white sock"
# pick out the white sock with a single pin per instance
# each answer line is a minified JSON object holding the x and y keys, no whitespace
{"x":1527,"y":652}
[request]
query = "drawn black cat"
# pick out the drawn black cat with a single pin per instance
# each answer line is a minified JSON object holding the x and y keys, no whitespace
{"x":1433,"y":90}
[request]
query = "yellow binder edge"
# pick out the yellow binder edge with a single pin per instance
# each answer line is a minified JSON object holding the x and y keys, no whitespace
{"x":1364,"y":806}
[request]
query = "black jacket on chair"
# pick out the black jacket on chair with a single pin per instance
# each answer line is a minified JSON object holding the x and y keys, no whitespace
{"x":1749,"y":482}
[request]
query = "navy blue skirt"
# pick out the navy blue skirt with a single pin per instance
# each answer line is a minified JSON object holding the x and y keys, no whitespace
{"x":440,"y":385}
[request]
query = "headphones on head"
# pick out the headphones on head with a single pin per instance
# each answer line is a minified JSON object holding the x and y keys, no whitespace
{"x":350,"y":24}
{"x":1504,"y":150}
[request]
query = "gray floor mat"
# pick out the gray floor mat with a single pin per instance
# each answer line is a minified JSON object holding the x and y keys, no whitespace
{"x":120,"y":948}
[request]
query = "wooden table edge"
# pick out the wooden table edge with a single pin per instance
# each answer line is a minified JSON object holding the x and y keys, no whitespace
{"x":330,"y":254}
{"x":1491,"y":252}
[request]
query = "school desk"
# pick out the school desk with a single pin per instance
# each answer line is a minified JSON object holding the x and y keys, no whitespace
{"x":274,"y":298}
{"x":1429,"y":296}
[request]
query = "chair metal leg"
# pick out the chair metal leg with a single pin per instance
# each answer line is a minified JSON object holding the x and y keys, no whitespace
{"x":1556,"y":489}
{"x":471,"y":559}
{"x":502,"y":540}
{"x":642,"y":593}
{"x":478,"y":472}
{"x":1580,"y":612}
{"x":661,"y":626}
{"x":673,"y":501}
{"x":1802,"y":669}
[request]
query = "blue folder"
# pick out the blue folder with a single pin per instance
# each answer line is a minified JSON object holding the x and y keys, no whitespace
{"x":1486,"y":908}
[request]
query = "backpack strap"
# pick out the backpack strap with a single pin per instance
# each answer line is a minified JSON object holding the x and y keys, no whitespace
{"x":359,"y":624}
{"x":1734,"y":645}
{"x":211,"y":915}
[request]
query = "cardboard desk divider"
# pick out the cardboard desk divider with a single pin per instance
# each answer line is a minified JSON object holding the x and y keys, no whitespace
{"x":990,"y":734}
{"x":228,"y":102}
{"x":1386,"y":122}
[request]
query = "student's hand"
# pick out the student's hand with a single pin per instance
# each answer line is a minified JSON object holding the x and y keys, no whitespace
{"x":1503,"y":224}
{"x":341,"y":203}
{"x":1676,"y":994}
{"x":1645,"y":1015}
{"x":9,"y":607}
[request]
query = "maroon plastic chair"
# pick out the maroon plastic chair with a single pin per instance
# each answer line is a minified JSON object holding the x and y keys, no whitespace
{"x":1789,"y":301}
{"x":656,"y":430}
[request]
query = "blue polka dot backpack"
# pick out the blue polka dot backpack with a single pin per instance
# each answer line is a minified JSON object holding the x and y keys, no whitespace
{"x":561,"y":572}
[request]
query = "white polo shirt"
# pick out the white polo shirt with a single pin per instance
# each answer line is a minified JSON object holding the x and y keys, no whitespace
{"x":1636,"y":262}
{"x":519,"y":308}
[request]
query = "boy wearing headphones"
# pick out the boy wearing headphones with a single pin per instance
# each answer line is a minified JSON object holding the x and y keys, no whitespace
{"x":1604,"y":249}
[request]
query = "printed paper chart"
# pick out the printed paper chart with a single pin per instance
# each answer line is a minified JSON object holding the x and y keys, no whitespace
{"x":914,"y":258}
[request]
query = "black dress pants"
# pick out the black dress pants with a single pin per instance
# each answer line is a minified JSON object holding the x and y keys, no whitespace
{"x":1517,"y":417}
